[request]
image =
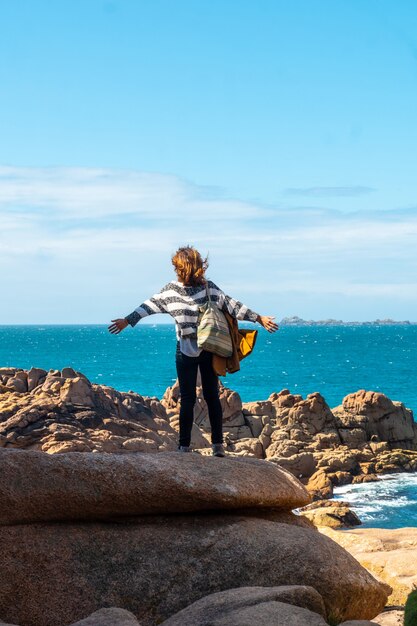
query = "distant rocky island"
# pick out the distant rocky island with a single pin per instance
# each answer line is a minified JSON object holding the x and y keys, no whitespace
{"x":298,"y":321}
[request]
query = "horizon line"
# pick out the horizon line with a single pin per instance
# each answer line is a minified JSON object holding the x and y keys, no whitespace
{"x":342,"y":322}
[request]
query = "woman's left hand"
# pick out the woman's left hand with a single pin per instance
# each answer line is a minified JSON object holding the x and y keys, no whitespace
{"x":266,"y":321}
{"x":119,"y":324}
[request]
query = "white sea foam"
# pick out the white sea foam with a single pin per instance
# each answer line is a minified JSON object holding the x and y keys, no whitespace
{"x":389,"y":501}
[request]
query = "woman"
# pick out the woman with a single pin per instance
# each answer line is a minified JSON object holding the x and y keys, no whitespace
{"x":181,"y":298}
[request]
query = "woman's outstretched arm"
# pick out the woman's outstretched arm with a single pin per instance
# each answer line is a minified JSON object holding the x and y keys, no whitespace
{"x":154,"y":304}
{"x":241,"y":312}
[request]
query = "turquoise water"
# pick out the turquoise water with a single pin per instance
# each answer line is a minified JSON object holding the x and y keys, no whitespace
{"x":332,"y":360}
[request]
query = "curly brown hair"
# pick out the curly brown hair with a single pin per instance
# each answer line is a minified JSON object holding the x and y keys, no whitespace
{"x":190,"y":266}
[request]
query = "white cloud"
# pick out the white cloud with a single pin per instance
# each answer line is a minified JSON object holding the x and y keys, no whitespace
{"x":92,"y":192}
{"x":85,"y":231}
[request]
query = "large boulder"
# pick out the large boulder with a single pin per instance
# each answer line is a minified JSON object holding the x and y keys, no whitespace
{"x":312,"y":414}
{"x":302,"y":465}
{"x":246,"y":605}
{"x":39,"y":487}
{"x":332,"y":513}
{"x":297,"y":423}
{"x":157,"y":565}
{"x":109,"y":617}
{"x":319,"y":485}
{"x":379,"y":417}
{"x":265,"y":614}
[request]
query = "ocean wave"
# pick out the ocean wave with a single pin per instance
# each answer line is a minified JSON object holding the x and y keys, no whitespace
{"x":390,"y":501}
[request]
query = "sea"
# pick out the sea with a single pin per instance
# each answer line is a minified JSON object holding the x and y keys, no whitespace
{"x":333,"y":360}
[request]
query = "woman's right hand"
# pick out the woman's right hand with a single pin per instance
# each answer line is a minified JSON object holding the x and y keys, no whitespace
{"x":119,"y":324}
{"x":266,"y":322}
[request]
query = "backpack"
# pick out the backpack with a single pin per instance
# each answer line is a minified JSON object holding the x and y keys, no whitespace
{"x":213,"y":332}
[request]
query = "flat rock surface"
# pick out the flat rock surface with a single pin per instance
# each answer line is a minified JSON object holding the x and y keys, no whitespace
{"x":389,"y":554}
{"x":58,"y":573}
{"x":229,"y":607}
{"x":36,"y":486}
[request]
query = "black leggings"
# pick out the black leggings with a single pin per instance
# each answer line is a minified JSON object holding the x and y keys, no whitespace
{"x":187,"y":377}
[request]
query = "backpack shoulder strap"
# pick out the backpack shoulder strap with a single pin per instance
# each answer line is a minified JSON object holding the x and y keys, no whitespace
{"x":207,"y":292}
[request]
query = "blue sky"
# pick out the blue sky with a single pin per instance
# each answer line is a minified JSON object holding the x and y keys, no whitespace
{"x":278,"y":137}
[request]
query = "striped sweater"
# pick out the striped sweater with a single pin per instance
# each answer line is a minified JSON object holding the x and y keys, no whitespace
{"x":182,"y":304}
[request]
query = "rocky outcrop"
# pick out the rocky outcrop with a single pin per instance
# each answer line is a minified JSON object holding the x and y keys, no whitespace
{"x":61,"y":411}
{"x":376,"y":416}
{"x":331,"y":513}
{"x":37,"y":487}
{"x":390,"y":554}
{"x":365,"y":436}
{"x":352,"y":442}
{"x":157,"y":564}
